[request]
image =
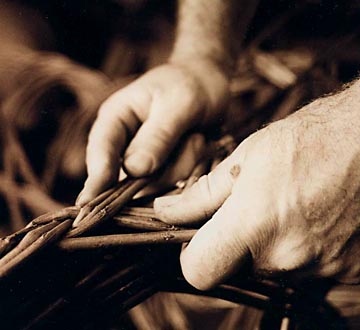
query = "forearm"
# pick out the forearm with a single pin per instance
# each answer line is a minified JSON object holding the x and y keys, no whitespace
{"x":211,"y":30}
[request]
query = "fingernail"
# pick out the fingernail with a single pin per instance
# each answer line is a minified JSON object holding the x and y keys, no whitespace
{"x":139,"y":163}
{"x":78,"y":201}
{"x":166,"y":201}
{"x":82,"y":199}
{"x":79,"y":217}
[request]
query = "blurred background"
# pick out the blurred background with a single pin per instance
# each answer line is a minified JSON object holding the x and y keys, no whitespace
{"x":60,"y":59}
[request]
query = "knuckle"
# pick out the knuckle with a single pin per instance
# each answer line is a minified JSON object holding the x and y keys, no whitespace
{"x":154,"y":143}
{"x":204,"y":188}
{"x":289,"y":254}
{"x":163,"y":134}
{"x":342,"y":268}
{"x":161,"y":137}
{"x":350,"y":277}
{"x":106,"y":110}
{"x":100,"y":167}
{"x":186,"y":90}
{"x":332,"y":269}
{"x":114,"y":102}
{"x":107,"y":105}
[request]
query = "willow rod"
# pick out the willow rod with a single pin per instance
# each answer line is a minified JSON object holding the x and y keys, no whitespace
{"x":143,"y":223}
{"x":110,"y":206}
{"x":96,"y":242}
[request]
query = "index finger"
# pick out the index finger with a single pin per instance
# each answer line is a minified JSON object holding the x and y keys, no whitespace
{"x":114,"y":126}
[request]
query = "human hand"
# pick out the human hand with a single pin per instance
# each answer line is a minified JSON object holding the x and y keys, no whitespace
{"x":288,"y":197}
{"x":152,"y":114}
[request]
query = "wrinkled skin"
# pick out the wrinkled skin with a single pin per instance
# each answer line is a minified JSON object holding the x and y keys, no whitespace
{"x":288,"y":196}
{"x":144,"y":121}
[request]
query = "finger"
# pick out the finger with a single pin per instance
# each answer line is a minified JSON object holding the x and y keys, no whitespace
{"x":167,"y":122}
{"x":181,"y":166}
{"x":236,"y":232}
{"x":201,"y":200}
{"x":107,"y":140}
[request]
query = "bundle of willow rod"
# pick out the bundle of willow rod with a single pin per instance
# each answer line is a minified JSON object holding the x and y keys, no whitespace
{"x":51,"y":228}
{"x":113,"y":287}
{"x":55,"y":229}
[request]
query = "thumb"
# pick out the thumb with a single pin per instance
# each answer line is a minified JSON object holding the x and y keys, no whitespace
{"x":157,"y":136}
{"x":215,"y":251}
{"x":238,"y":230}
{"x":203,"y":198}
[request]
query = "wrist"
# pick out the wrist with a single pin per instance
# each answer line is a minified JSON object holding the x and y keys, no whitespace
{"x":223,"y":63}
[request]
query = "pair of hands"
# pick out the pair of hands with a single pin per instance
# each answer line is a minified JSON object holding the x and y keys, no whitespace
{"x":288,"y":196}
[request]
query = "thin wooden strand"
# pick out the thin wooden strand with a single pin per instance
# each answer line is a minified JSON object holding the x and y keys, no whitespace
{"x":106,"y":241}
{"x":45,"y":239}
{"x":110,"y":206}
{"x":142,"y":223}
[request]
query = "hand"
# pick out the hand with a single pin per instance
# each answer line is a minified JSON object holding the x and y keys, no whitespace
{"x":152,"y":114}
{"x":288,"y":197}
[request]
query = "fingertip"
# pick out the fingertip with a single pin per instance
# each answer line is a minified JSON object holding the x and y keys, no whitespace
{"x":164,"y":211}
{"x":178,"y":210}
{"x":94,"y":185}
{"x":194,"y":274}
{"x":204,"y":261}
{"x":217,"y":250}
